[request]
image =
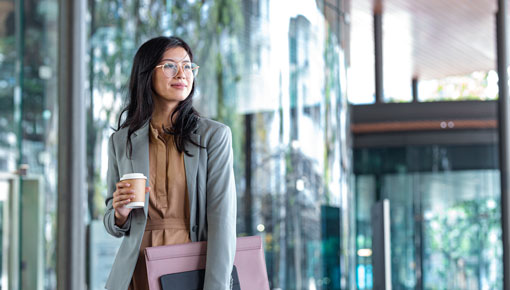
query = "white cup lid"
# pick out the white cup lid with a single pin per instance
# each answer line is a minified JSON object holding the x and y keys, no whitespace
{"x":133,"y":176}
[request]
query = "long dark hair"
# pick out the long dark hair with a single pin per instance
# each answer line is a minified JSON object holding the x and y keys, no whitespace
{"x":140,"y":103}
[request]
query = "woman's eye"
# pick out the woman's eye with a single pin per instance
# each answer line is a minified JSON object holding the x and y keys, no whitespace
{"x":170,"y":65}
{"x":187,"y":66}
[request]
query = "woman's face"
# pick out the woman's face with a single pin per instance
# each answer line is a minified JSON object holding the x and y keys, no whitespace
{"x":178,"y":87}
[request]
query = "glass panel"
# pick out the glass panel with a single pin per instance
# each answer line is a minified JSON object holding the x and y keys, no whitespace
{"x":362,"y":61}
{"x":28,"y":130}
{"x":365,"y":199}
{"x":5,"y":189}
{"x":39,"y":121}
{"x":398,"y":188}
{"x":8,"y":128}
{"x":397,"y":39}
{"x":475,"y":86}
{"x":445,"y":215}
{"x":462,"y":229}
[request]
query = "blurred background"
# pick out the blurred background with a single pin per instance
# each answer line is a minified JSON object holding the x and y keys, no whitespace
{"x":334,"y":106}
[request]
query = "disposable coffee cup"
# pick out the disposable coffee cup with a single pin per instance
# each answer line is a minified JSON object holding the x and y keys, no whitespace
{"x":137,"y":182}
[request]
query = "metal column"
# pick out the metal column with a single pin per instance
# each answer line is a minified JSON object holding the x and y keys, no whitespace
{"x":504,"y":136}
{"x":381,"y":245}
{"x":71,"y":147}
{"x":378,"y":50}
{"x":19,"y":10}
{"x":415,"y":90}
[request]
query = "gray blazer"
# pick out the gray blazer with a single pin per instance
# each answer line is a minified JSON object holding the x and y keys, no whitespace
{"x":212,"y":196}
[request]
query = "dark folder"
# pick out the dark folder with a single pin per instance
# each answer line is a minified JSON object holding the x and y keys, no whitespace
{"x":193,"y":280}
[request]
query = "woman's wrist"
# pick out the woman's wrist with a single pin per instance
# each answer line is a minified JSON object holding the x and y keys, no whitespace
{"x":119,"y":220}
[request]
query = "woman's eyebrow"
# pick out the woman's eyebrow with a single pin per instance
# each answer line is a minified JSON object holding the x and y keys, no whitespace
{"x":169,"y":59}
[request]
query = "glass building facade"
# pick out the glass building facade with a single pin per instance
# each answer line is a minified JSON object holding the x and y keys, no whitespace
{"x":28,"y":143}
{"x":274,"y":71}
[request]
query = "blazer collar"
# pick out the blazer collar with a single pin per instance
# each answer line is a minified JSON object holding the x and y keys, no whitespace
{"x":142,"y":131}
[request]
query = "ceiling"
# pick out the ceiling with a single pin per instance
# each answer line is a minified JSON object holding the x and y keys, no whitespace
{"x":427,"y":39}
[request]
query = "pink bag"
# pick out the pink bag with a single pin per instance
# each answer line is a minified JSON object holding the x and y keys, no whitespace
{"x":249,"y":260}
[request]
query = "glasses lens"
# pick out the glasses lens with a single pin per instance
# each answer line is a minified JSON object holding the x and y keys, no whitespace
{"x":190,"y":69}
{"x":194,"y":69}
{"x":170,"y":69}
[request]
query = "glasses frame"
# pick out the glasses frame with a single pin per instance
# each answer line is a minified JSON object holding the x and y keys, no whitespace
{"x":179,"y":64}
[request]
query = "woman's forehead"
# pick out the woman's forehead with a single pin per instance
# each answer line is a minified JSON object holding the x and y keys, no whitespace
{"x":176,"y":54}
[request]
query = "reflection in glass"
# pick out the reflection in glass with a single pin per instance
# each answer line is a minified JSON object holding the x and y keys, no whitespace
{"x":445,"y":215}
{"x":8,"y":129}
{"x":28,"y":132}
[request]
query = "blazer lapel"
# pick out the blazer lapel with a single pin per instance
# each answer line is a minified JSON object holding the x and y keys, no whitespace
{"x":140,"y":158}
{"x":191,"y":167}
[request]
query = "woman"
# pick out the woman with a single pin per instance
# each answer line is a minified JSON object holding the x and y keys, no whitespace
{"x":189,"y":163}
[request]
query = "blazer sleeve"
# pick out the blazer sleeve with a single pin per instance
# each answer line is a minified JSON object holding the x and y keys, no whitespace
{"x":112,"y":177}
{"x":221,"y":211}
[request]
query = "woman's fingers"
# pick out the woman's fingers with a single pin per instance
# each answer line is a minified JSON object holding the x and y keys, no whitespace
{"x":147,"y":189}
{"x":123,"y":196}
{"x":125,"y":191}
{"x":123,"y":202}
{"x":120,"y":203}
{"x":122,"y":184}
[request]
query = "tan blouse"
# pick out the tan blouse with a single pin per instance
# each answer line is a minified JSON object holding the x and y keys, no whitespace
{"x":168,"y":216}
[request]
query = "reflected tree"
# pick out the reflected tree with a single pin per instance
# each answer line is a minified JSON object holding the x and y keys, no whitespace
{"x":465,"y":241}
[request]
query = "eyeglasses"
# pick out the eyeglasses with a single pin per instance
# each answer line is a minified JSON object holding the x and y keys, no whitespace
{"x":170,"y":69}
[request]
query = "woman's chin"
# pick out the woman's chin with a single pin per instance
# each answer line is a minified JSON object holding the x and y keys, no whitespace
{"x":173,"y":98}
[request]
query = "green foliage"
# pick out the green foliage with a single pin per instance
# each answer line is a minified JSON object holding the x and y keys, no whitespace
{"x":8,"y":54}
{"x":462,"y":88}
{"x":462,"y":235}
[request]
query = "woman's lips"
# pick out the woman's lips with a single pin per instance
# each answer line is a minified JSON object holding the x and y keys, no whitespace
{"x":178,"y":86}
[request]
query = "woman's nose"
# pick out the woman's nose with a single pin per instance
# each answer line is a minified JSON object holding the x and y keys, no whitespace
{"x":180,"y":72}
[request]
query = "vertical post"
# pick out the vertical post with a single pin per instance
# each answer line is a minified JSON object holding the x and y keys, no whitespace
{"x":339,"y":17}
{"x":381,"y":245}
{"x":71,"y":147}
{"x":504,"y":138}
{"x":415,"y":90}
{"x":19,"y":26}
{"x":248,"y":200}
{"x":418,"y":234}
{"x":378,"y":50}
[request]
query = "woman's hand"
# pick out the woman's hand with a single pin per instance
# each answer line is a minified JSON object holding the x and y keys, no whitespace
{"x":122,"y":196}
